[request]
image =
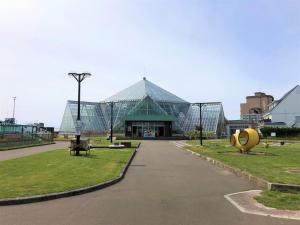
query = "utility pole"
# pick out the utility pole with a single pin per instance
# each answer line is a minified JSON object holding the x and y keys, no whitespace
{"x":79,"y":77}
{"x":14,"y":98}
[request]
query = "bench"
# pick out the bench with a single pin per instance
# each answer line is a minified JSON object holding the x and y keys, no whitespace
{"x":84,"y":146}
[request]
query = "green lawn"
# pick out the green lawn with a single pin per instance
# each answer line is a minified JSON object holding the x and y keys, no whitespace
{"x":272,"y":164}
{"x":280,"y":200}
{"x":103,"y":142}
{"x":57,"y":171}
{"x":100,"y":141}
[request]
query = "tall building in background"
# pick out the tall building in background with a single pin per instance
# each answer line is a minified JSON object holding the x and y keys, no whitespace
{"x":255,"y":107}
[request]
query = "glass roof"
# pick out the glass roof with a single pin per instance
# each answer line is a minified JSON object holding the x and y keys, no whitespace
{"x":143,"y":101}
{"x":211,"y":116}
{"x":147,"y":118}
{"x":92,"y":118}
{"x":145,"y":88}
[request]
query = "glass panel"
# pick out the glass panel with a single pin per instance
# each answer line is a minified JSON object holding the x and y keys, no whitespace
{"x":145,"y":88}
{"x":212,"y":118}
{"x":96,"y":116}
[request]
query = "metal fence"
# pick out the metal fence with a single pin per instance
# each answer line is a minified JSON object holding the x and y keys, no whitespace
{"x":15,"y":136}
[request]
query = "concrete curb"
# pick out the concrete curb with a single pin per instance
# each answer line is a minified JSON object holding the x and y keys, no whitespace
{"x":285,"y":188}
{"x":41,"y":198}
{"x":246,"y":203}
{"x":259,"y":182}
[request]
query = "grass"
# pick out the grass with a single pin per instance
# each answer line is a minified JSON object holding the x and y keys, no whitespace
{"x":103,"y":142}
{"x":280,"y":200}
{"x":100,"y":141}
{"x":57,"y":171}
{"x":272,"y":164}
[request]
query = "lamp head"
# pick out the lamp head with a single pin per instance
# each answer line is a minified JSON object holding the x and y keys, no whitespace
{"x":86,"y":75}
{"x":77,"y":74}
{"x":72,"y":74}
{"x":80,"y":76}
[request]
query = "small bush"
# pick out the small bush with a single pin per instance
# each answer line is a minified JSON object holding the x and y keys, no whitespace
{"x":281,"y":132}
{"x":195,"y":134}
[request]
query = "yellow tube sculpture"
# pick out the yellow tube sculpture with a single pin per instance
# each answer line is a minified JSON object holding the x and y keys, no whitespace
{"x":246,"y":140}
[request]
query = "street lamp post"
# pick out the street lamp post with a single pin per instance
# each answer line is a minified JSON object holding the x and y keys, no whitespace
{"x":111,"y":121}
{"x":14,"y":108}
{"x":200,"y":122}
{"x":201,"y":104}
{"x":79,"y":77}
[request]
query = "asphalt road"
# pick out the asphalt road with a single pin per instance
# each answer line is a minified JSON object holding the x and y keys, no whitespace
{"x":164,"y":186}
{"x":21,"y":152}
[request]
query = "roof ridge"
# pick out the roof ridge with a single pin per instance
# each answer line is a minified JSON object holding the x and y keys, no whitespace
{"x":145,"y":88}
{"x":283,"y":97}
{"x":287,"y":94}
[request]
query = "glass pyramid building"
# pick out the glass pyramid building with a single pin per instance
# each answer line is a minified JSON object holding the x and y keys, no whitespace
{"x":143,"y":110}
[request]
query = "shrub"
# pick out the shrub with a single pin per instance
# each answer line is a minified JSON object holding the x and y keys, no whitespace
{"x":281,"y":132}
{"x":195,"y":134}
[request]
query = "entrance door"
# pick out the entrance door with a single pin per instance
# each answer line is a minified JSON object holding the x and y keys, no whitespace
{"x":134,"y":131}
{"x":150,"y":129}
{"x":161,"y":131}
{"x":137,"y":131}
{"x":140,"y":132}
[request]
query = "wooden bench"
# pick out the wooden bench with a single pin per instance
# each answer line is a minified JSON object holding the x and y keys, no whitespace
{"x":84,"y":146}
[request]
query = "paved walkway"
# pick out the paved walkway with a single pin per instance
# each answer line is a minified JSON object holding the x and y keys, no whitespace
{"x":245,"y":202}
{"x":164,"y":186}
{"x":17,"y":153}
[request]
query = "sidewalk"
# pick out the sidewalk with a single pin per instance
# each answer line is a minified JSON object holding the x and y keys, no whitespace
{"x":17,"y":153}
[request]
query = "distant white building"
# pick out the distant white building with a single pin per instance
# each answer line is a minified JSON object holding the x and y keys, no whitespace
{"x":286,"y":110}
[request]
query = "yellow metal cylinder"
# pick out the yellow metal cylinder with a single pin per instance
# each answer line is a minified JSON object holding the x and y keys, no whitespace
{"x":234,"y":140}
{"x":245,"y":140}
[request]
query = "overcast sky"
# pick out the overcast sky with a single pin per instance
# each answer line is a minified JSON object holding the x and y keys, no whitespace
{"x":204,"y":50}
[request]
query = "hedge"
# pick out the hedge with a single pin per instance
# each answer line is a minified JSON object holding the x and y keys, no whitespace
{"x":281,"y":132}
{"x":195,"y":134}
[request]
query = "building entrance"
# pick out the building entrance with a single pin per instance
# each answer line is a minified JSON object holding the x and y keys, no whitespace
{"x":148,"y":129}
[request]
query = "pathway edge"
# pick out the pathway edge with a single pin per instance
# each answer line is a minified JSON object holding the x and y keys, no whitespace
{"x":48,"y":197}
